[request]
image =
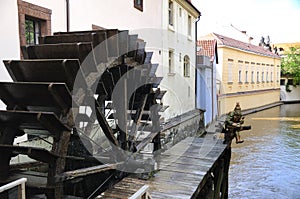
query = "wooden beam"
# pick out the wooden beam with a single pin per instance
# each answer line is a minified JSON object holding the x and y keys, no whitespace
{"x":84,"y":172}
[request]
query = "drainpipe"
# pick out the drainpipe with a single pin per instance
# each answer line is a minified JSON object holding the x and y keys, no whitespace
{"x":196,"y":39}
{"x":212,"y":90}
{"x":68,"y":15}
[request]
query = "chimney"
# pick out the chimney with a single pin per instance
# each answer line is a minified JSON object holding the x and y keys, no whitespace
{"x":250,"y":39}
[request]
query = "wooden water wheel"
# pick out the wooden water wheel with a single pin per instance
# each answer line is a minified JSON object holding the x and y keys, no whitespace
{"x":68,"y":102}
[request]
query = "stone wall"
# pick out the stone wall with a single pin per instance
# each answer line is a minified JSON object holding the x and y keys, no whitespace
{"x":185,"y":125}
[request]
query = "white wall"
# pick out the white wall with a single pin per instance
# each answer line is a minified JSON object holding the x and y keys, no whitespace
{"x":9,"y":40}
{"x":58,"y":17}
{"x":118,"y":14}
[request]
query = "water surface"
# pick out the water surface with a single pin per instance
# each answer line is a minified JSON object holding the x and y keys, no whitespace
{"x":267,"y":164}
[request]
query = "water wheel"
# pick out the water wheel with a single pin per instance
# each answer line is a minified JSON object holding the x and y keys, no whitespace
{"x":86,"y":99}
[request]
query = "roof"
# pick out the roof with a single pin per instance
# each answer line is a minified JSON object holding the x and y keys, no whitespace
{"x":208,"y":48}
{"x":227,"y":41}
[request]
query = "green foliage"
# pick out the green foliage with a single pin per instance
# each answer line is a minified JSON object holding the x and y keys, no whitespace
{"x":29,"y":31}
{"x":290,"y":64}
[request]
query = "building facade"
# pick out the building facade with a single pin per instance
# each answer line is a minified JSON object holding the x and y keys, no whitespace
{"x":206,"y":97}
{"x":248,"y":74}
{"x":167,"y":26}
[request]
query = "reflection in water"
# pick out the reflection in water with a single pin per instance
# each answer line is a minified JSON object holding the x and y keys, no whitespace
{"x":267,"y":164}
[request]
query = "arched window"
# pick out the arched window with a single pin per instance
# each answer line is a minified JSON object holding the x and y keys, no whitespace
{"x":186,"y":66}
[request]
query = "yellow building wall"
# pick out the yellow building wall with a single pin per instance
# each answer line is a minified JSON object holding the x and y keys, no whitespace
{"x":239,"y":85}
{"x":248,"y":101}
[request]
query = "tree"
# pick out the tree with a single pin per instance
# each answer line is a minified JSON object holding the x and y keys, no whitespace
{"x":290,"y":64}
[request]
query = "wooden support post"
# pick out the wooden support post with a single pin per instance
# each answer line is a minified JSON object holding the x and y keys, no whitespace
{"x":224,"y":186}
{"x":137,"y":121}
{"x":60,"y":147}
{"x":210,"y":186}
{"x":156,"y":128}
{"x":218,"y":176}
{"x":7,"y":136}
{"x":121,"y":105}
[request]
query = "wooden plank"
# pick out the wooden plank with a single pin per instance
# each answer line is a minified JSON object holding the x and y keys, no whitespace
{"x":58,"y":51}
{"x":56,"y":70}
{"x":39,"y":154}
{"x":36,"y":96}
{"x":106,"y":128}
{"x":182,"y":172}
{"x":68,"y":175}
{"x":148,"y":57}
{"x":31,"y":120}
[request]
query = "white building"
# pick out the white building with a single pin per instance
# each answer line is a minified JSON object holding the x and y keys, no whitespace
{"x":167,"y":26}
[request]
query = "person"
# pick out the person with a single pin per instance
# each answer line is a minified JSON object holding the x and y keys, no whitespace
{"x":233,"y":123}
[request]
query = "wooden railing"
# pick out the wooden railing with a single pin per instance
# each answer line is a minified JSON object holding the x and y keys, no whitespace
{"x":142,"y":193}
{"x":18,"y":183}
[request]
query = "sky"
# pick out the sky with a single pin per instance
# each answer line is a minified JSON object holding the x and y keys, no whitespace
{"x":278,"y":19}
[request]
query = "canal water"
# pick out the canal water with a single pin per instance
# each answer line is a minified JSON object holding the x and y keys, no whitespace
{"x":267,"y":164}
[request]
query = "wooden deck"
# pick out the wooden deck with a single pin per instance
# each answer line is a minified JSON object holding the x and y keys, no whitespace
{"x":183,"y":171}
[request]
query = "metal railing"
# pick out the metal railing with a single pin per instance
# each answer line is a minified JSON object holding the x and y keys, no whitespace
{"x":20,"y":183}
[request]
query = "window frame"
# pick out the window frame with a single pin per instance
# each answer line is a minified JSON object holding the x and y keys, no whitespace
{"x":240,"y":76}
{"x":29,"y":10}
{"x":252,"y":76}
{"x":230,"y":70}
{"x":189,"y":24}
{"x":186,"y":66}
{"x":36,"y":30}
{"x":171,"y":62}
{"x":171,"y":13}
{"x":246,"y":76}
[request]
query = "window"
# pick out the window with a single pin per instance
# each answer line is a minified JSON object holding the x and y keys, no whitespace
{"x":257,"y":77}
{"x":180,"y":12}
{"x":271,"y":76}
{"x":246,"y":76}
{"x":230,"y":65}
{"x":240,"y":76}
{"x":171,"y":62}
{"x":252,"y":76}
{"x":171,"y":13}
{"x":186,"y":66}
{"x":34,"y":21}
{"x":189,"y":25}
{"x":267,"y":77}
{"x":138,"y":4}
{"x":32,"y":31}
{"x":262,"y":77}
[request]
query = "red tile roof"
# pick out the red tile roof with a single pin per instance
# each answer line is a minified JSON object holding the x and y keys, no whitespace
{"x":227,"y":41}
{"x":207,"y":47}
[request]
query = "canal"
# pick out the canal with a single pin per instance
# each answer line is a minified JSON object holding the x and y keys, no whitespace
{"x":267,"y":164}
